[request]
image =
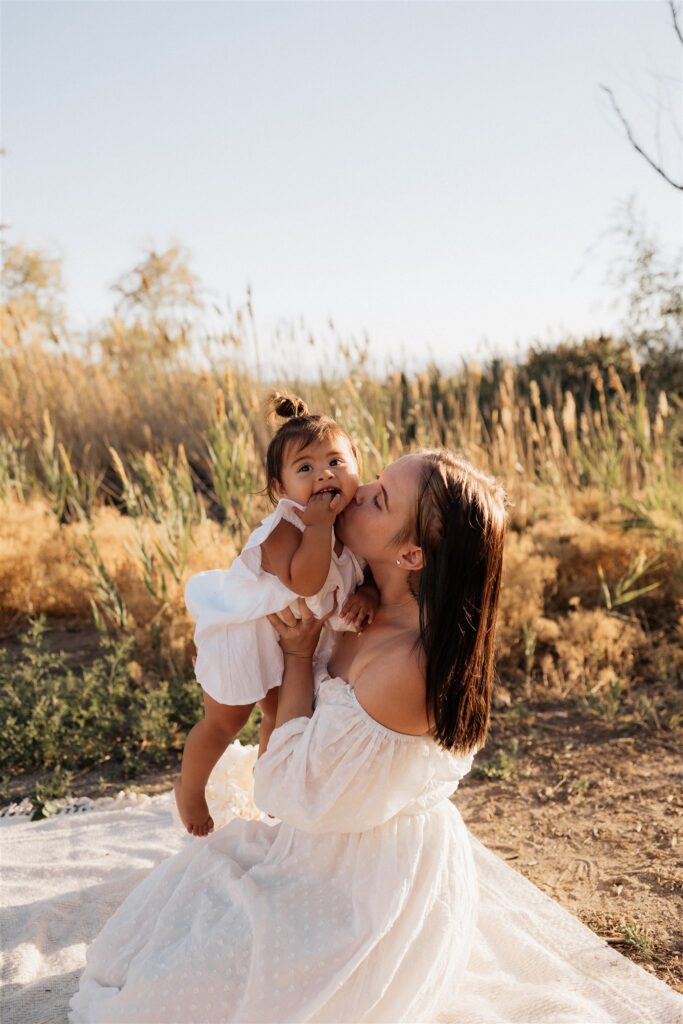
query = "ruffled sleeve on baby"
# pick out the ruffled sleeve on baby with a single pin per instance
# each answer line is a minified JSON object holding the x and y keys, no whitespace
{"x":250,"y":557}
{"x":341,"y":771}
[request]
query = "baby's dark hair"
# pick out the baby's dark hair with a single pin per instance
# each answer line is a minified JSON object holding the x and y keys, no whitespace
{"x":300,"y":429}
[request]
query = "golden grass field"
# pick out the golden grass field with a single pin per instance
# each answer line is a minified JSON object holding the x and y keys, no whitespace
{"x":123,"y":476}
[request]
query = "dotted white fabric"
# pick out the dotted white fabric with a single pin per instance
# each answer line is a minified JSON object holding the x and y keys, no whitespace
{"x":190,"y":930}
{"x":239,"y":657}
{"x":359,"y":905}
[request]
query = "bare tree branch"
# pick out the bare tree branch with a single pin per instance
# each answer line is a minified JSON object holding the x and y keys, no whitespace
{"x":629,"y":133}
{"x":635,"y":145}
{"x":677,"y":27}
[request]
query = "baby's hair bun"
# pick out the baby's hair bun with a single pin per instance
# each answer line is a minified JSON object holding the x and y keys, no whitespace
{"x":286,"y":405}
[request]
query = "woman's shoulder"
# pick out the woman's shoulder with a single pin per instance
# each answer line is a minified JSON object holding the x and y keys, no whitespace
{"x":391,"y":688}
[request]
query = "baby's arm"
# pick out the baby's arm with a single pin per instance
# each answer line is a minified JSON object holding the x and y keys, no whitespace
{"x":301,"y":559}
{"x":363,"y":603}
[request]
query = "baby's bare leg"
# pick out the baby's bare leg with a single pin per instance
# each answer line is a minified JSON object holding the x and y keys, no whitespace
{"x":269,"y":710}
{"x":205,"y":743}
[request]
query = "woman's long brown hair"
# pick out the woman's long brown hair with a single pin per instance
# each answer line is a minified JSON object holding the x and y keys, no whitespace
{"x":459,"y":522}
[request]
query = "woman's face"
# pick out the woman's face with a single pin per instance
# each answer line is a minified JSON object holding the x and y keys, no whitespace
{"x":379,"y":510}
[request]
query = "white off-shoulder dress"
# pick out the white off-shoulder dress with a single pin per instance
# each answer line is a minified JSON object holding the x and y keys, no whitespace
{"x":239,"y":657}
{"x":359,"y":905}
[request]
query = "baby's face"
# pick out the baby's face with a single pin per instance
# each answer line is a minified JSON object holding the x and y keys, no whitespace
{"x":317,"y":467}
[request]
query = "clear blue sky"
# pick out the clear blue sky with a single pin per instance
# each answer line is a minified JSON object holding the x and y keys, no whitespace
{"x":439,"y":176}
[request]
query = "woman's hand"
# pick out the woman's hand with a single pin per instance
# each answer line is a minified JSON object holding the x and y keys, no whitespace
{"x":299,"y":637}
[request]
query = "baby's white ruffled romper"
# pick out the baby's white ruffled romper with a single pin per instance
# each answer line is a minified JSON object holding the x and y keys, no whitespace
{"x":239,"y":657}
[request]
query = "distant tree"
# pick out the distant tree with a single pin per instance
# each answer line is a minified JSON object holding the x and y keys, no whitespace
{"x":155,"y":313}
{"x":32,"y":308}
{"x":653,"y":318}
{"x":629,"y":132}
{"x":650,"y":292}
{"x":569,"y":366}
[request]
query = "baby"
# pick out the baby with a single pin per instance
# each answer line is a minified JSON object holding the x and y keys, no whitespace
{"x":312,"y":471}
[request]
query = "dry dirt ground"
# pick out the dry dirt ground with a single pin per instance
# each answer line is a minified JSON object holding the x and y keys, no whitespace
{"x":589,"y":810}
{"x":593,"y":818}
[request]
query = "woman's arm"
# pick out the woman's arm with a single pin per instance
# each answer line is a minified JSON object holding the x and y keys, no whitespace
{"x":298,"y":639}
{"x":295,"y":697}
{"x":338,"y":770}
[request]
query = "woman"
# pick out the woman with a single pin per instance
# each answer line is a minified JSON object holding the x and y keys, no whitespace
{"x":360,"y":903}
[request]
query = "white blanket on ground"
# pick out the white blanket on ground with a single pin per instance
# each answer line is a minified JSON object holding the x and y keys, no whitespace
{"x":63,"y":877}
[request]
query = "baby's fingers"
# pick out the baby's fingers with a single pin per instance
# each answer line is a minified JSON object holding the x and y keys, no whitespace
{"x":350,"y":609}
{"x":364,"y":617}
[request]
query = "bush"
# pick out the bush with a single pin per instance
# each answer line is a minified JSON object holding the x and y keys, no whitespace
{"x":58,"y":718}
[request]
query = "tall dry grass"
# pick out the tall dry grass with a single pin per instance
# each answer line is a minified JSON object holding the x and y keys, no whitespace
{"x":118,"y":480}
{"x":167,"y":465}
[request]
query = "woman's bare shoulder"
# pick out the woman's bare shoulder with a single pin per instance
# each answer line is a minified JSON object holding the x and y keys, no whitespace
{"x":391,"y":689}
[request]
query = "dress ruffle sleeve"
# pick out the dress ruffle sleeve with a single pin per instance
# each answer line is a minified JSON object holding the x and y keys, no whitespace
{"x":342,"y":771}
{"x":216,"y":598}
{"x":251,"y":552}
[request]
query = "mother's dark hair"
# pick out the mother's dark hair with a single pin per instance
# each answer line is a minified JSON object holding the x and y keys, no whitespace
{"x":459,"y":521}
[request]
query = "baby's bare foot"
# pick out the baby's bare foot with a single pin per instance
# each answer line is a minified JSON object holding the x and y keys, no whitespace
{"x":193,"y":810}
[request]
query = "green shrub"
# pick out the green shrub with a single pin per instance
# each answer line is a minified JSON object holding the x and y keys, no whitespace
{"x":57,"y":717}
